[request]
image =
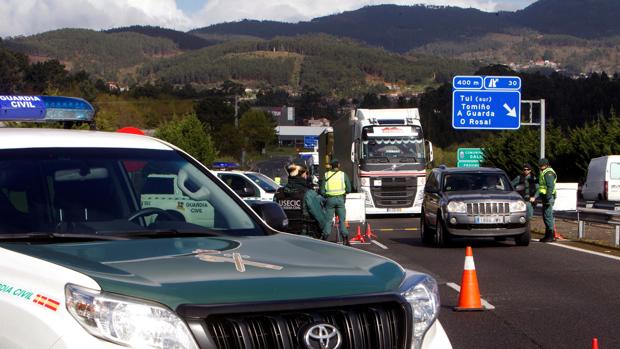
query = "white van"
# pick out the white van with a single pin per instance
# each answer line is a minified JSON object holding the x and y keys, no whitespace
{"x":603,"y":181}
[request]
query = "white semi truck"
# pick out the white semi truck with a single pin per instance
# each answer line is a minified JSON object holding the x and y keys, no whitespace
{"x":383,"y":152}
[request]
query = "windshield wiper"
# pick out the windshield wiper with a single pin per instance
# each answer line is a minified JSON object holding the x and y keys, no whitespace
{"x":59,"y":236}
{"x":408,"y":159}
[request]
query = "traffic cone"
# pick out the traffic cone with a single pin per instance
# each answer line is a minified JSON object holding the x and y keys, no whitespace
{"x":595,"y":343}
{"x":557,"y":235}
{"x":359,"y":237}
{"x":369,"y":234}
{"x":469,"y":297}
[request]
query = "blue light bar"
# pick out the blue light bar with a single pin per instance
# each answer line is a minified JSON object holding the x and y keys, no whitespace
{"x":225,"y":164}
{"x":45,"y":108}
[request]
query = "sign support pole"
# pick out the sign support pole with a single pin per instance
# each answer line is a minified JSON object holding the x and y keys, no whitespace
{"x":542,"y":122}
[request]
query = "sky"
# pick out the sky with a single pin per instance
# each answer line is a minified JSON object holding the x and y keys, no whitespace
{"x":27,"y":17}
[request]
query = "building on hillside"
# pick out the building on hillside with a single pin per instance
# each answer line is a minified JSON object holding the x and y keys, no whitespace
{"x":284,"y":116}
{"x":295,"y":136}
{"x":317,"y":122}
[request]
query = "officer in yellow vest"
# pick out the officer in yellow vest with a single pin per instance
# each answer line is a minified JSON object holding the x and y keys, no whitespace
{"x":547,"y":192}
{"x":335,"y":187}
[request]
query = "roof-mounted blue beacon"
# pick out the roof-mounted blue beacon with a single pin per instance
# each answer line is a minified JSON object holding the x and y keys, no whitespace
{"x":46,"y":109}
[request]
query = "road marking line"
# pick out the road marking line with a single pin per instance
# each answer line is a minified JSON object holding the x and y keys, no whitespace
{"x":397,"y":229}
{"x":485,"y":304}
{"x":379,"y":244}
{"x":411,"y":228}
{"x":386,"y":229}
{"x":584,"y":251}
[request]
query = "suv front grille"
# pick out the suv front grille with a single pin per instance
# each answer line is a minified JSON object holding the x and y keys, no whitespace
{"x":488,"y":208}
{"x":362,"y":326}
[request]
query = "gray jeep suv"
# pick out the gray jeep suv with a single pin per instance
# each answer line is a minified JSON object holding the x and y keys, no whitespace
{"x":472,"y":202}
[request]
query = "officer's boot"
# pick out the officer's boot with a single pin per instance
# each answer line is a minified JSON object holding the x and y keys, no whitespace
{"x":345,"y":240}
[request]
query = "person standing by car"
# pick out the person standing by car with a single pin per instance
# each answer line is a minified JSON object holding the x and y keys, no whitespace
{"x":303,"y":206}
{"x":525,"y":185}
{"x":547,"y":192}
{"x":335,"y":187}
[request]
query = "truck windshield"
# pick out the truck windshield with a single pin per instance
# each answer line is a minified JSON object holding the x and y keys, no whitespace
{"x":393,"y":144}
{"x":476,"y":181}
{"x":111,"y":191}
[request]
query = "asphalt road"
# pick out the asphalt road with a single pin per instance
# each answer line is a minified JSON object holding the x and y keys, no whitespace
{"x":545,"y":296}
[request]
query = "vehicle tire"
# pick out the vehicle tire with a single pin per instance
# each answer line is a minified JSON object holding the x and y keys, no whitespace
{"x":524,"y":239}
{"x":441,"y":235}
{"x":425,"y":231}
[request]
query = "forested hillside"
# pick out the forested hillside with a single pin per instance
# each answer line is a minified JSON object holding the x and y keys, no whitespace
{"x":112,"y":56}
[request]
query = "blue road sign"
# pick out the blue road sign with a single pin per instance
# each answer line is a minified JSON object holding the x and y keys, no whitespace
{"x":310,"y":141}
{"x":486,"y":102}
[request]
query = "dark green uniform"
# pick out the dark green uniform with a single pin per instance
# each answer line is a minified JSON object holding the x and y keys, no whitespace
{"x":334,"y":188}
{"x":528,"y":191}
{"x":547,"y":193}
{"x":303,"y":207}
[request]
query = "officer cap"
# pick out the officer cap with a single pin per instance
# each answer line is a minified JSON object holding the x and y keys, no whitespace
{"x":527,"y":166}
{"x":334,"y":163}
{"x":543,"y":162}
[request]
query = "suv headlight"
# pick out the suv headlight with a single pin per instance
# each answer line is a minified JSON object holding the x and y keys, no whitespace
{"x":457,"y":207}
{"x":126,"y":321}
{"x":518,"y":206}
{"x":422,"y":294}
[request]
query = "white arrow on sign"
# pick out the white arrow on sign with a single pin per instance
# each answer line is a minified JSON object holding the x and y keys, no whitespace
{"x":511,"y":111}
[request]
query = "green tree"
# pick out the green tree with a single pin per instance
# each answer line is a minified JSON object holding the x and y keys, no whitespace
{"x":189,"y":134}
{"x":257,"y":129}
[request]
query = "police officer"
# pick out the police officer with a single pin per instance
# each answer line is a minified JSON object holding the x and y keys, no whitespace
{"x":546,"y":191}
{"x":303,"y":206}
{"x":526,"y":187}
{"x":335,"y":187}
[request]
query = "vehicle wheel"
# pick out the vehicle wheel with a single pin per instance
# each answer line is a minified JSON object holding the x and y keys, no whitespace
{"x":524,"y":239}
{"x":425,"y":231}
{"x":441,"y":235}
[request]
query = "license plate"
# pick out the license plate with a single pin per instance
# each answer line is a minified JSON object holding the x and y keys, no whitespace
{"x":489,"y":219}
{"x":395,"y":210}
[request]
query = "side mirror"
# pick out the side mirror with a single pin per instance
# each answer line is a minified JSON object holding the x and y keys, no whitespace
{"x":430,"y":190}
{"x":271,"y":213}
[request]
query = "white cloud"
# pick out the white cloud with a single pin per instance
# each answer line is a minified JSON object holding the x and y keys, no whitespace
{"x":24,"y":17}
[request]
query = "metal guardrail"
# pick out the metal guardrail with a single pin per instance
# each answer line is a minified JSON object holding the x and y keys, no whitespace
{"x":604,"y":216}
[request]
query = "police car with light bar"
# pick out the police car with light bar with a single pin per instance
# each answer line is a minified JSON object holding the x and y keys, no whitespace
{"x":86,"y":263}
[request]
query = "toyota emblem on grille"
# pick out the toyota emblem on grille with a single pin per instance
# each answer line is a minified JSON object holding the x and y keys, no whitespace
{"x":322,"y":336}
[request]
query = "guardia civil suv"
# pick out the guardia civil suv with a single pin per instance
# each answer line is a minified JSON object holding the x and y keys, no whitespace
{"x":472,"y":203}
{"x":87,"y":262}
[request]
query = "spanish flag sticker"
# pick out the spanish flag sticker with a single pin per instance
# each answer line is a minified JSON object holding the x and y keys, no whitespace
{"x":46,"y":302}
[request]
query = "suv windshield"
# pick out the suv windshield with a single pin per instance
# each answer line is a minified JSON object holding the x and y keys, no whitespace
{"x":268,"y":184}
{"x":112,"y":191}
{"x":476,"y":181}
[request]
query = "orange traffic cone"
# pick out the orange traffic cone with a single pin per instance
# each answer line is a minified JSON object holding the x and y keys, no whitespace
{"x":557,"y":235}
{"x":369,"y":234}
{"x":595,"y":343}
{"x":469,"y":297}
{"x":359,"y":237}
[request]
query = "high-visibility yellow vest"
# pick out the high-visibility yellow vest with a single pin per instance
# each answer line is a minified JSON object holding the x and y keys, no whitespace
{"x":335,"y":183}
{"x":542,"y":183}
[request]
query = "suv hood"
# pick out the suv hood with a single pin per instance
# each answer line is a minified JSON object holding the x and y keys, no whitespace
{"x":480,"y":195}
{"x":174,"y":271}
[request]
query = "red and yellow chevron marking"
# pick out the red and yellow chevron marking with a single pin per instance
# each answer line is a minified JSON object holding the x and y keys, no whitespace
{"x":46,"y":302}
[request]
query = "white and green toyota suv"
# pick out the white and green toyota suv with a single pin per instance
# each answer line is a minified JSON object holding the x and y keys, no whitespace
{"x":84,"y":263}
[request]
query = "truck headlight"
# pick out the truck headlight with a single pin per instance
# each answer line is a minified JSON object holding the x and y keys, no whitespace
{"x":127,"y":321}
{"x":457,"y":207}
{"x":518,"y":206}
{"x":421,"y":292}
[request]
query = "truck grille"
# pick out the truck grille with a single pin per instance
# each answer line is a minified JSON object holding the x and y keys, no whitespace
{"x":488,"y":208}
{"x":394,"y":192}
{"x":367,"y":326}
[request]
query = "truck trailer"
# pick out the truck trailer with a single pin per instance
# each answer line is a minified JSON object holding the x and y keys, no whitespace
{"x":383,"y":152}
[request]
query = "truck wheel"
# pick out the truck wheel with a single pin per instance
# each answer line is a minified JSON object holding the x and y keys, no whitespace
{"x":524,"y":239}
{"x":441,"y":235}
{"x":425,"y":232}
